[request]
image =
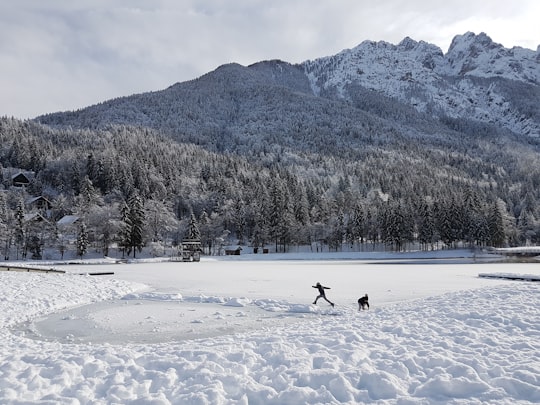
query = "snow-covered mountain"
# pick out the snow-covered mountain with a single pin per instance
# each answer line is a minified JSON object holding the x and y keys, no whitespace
{"x":476,"y":79}
{"x":402,"y":124}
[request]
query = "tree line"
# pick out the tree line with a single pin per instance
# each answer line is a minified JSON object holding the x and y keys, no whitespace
{"x":134,"y":188}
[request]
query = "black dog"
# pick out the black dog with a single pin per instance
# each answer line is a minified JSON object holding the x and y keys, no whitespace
{"x":363,"y":303}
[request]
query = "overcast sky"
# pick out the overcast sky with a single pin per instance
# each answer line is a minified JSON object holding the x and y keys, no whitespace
{"x":66,"y":54}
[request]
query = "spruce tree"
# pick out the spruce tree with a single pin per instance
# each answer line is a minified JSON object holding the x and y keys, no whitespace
{"x":426,"y":226}
{"x":276,"y":213}
{"x":496,"y":227}
{"x":205,"y":232}
{"x":82,"y":240}
{"x":125,"y":228}
{"x":135,"y":224}
{"x":338,"y":230}
{"x":193,"y":233}
{"x":358,"y":224}
{"x":5,"y":237}
{"x":239,"y":219}
{"x":19,"y":231}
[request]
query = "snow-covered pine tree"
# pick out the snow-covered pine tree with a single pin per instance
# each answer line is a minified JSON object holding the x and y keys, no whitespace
{"x":205,"y":232}
{"x":88,"y":196}
{"x":358,"y":225}
{"x":82,"y":240}
{"x":275,"y":213}
{"x":19,"y":231}
{"x":496,"y":226}
{"x":426,"y":226}
{"x":125,"y":228}
{"x":136,"y":224}
{"x":193,"y":233}
{"x":239,"y":219}
{"x":5,"y":235}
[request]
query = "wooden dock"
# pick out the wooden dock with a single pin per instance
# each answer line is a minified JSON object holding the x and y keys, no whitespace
{"x":28,"y":269}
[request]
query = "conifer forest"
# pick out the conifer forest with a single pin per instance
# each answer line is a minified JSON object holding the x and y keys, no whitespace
{"x":257,"y":158}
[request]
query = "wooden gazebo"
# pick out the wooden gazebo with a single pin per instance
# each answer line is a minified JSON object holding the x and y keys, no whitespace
{"x":191,"y":250}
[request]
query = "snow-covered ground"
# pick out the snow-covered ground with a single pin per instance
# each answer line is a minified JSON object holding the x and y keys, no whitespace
{"x":242,"y":330}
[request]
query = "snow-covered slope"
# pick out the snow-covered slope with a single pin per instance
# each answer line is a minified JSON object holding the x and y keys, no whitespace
{"x":476,"y":79}
{"x":478,"y":55}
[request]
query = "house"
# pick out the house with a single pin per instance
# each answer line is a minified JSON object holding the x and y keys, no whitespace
{"x":16,"y":177}
{"x":34,"y":217}
{"x":20,"y":180}
{"x":67,"y":227}
{"x":234,"y":252}
{"x":38,"y":203}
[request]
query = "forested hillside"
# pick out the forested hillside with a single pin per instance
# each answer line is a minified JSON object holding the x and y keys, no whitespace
{"x":259,"y":156}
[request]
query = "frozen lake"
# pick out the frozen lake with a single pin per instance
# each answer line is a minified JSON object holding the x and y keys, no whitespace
{"x":244,"y":331}
{"x":183,"y":301}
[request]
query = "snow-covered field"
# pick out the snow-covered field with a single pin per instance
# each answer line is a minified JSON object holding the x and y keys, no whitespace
{"x":243,"y":331}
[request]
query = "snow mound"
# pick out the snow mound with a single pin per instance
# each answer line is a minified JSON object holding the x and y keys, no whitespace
{"x":511,"y":276}
{"x":154,"y":296}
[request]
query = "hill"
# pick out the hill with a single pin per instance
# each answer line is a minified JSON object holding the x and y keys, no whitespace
{"x":476,"y":80}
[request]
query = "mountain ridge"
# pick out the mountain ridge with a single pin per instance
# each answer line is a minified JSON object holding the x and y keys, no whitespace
{"x":471,"y":81}
{"x":476,"y":80}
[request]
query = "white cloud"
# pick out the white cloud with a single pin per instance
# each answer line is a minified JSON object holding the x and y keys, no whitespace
{"x":62,"y":54}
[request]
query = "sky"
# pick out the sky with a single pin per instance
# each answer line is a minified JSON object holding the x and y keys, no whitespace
{"x":59,"y":55}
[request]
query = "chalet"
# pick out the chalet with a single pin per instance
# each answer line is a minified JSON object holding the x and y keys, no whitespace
{"x":67,"y":227}
{"x":233,"y":252}
{"x":20,"y":180}
{"x":34,"y":217}
{"x":13,"y":177}
{"x":38,"y":203}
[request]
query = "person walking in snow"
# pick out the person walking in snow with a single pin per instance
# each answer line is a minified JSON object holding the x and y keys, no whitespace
{"x":322,"y":294}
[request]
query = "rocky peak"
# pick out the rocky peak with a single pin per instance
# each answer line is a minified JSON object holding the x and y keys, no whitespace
{"x":470,"y":40}
{"x":462,"y":83}
{"x":478,"y":55}
{"x":407,"y":44}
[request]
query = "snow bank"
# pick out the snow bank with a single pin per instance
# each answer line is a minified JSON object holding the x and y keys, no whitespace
{"x":511,"y":276}
{"x":475,"y":346}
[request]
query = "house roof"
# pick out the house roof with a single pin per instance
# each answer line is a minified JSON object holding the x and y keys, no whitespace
{"x":10,"y":171}
{"x":33,"y":217}
{"x":20,"y":177}
{"x":68,"y":220}
{"x":34,"y":199}
{"x":13,"y":172}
